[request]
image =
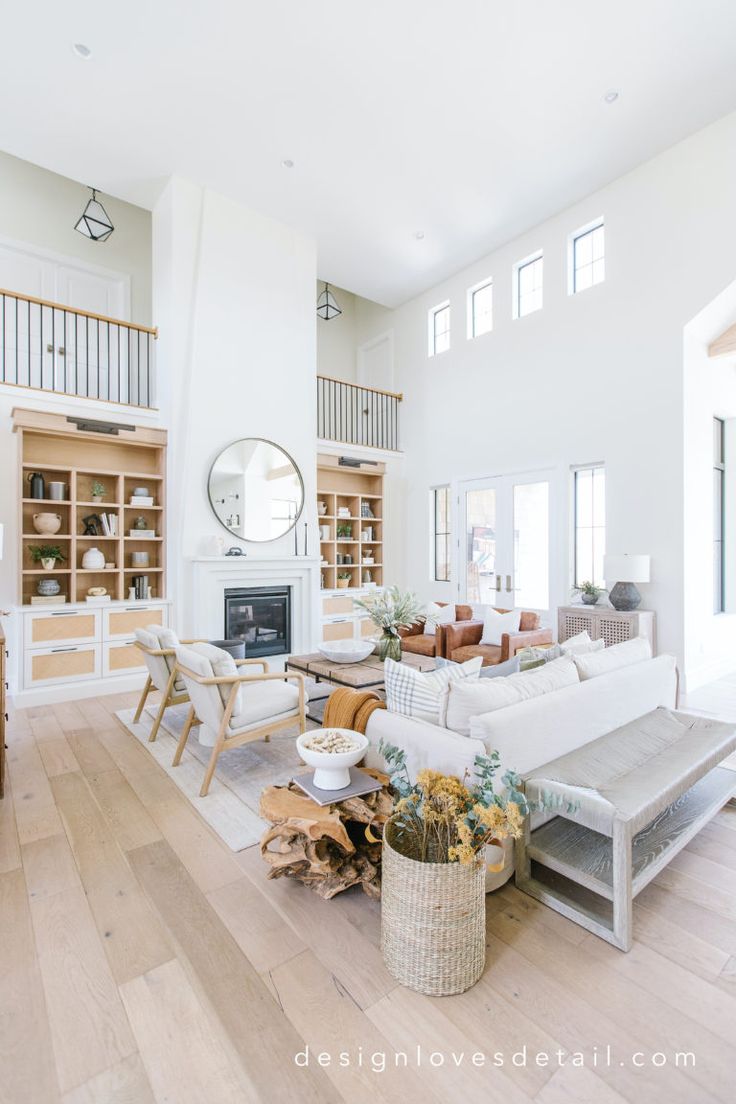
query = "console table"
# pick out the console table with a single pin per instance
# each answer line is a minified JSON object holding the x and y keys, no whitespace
{"x":604,"y":622}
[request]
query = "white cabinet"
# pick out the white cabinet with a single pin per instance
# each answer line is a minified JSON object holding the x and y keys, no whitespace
{"x":341,"y":618}
{"x":78,"y":644}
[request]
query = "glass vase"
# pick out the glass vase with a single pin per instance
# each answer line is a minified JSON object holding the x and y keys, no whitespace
{"x":389,"y":646}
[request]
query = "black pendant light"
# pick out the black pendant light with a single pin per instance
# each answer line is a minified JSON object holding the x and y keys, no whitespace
{"x":327,"y":307}
{"x":95,"y":222}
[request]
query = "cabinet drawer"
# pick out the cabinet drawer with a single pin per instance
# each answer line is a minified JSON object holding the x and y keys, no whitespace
{"x":367,"y":628}
{"x":121,"y":659}
{"x":338,"y":630}
{"x":62,"y":627}
{"x":331,"y":606}
{"x":63,"y":663}
{"x":120,"y":624}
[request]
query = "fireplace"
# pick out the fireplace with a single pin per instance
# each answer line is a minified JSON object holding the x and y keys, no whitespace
{"x":260,"y":616}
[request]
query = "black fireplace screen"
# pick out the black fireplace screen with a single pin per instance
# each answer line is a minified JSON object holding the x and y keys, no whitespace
{"x":261,"y":616}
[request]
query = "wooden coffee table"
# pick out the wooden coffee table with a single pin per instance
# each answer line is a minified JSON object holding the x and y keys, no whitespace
{"x":366,"y":675}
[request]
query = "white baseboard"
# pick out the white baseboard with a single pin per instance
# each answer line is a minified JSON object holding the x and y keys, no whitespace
{"x":94,"y":688}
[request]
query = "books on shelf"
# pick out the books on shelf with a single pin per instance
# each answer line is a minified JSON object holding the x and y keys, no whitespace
{"x":142,"y":534}
{"x":97,"y":600}
{"x":109,"y":524}
{"x":48,"y":600}
{"x":141,"y":500}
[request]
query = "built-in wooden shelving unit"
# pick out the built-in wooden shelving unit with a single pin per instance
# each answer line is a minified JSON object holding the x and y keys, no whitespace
{"x":360,"y":492}
{"x":61,"y":452}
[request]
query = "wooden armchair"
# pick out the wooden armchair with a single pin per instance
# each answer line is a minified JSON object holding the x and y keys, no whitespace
{"x":462,"y":641}
{"x":419,"y":642}
{"x":158,"y":646}
{"x":237,"y":707}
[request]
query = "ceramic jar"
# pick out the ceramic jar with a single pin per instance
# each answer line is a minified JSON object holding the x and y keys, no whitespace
{"x":57,"y":491}
{"x":47,"y":524}
{"x":47,"y":588}
{"x":48,"y":563}
{"x":93,"y":560}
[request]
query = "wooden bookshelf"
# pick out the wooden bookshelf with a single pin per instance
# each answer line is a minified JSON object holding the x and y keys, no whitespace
{"x":357,"y":490}
{"x":61,"y":452}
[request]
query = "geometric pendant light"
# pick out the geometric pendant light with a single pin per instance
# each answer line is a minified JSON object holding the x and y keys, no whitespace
{"x":327,"y":307}
{"x":94,"y":221}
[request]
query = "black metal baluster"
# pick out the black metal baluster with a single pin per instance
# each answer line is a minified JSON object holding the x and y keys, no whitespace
{"x":138,"y":358}
{"x":76,"y":354}
{"x":16,"y":340}
{"x":65,"y":350}
{"x":3,"y":337}
{"x":109,"y":374}
{"x":98,"y":358}
{"x":28,"y":306}
{"x":86,"y":355}
{"x":118,"y":329}
{"x":53,"y":349}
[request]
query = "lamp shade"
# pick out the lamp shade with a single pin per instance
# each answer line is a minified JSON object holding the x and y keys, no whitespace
{"x":626,"y":568}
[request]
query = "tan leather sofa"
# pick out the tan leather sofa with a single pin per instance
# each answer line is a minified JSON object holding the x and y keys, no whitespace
{"x":462,"y":641}
{"x":431,"y":644}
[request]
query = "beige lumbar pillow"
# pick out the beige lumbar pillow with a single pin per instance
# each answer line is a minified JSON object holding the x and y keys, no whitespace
{"x":610,"y":659}
{"x":467,"y":700}
{"x":581,"y":644}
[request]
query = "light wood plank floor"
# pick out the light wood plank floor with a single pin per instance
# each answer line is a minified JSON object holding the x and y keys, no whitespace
{"x":141,"y":961}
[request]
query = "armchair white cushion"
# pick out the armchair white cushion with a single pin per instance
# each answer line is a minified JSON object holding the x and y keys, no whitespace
{"x":159,"y":667}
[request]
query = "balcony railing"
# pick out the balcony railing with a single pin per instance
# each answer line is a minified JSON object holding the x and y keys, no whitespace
{"x":55,"y":348}
{"x":353,"y":415}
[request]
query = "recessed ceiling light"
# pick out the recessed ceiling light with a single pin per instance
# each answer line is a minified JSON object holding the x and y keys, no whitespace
{"x":81,"y":50}
{"x":419,"y":235}
{"x":287,"y":163}
{"x":611,"y":96}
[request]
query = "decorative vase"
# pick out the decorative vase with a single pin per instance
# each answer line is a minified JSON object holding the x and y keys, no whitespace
{"x":96,"y":498}
{"x":140,"y":523}
{"x":343,"y":583}
{"x":47,"y":524}
{"x":47,"y":588}
{"x":57,"y":492}
{"x":93,"y":560}
{"x":433,"y":920}
{"x":590,"y":599}
{"x":389,"y":646}
{"x":48,"y":563}
{"x":38,"y":485}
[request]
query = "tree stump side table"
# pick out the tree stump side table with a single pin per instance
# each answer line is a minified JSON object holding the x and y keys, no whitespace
{"x":326,"y":847}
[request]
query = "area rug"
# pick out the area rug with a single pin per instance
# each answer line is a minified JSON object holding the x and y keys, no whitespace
{"x":231,"y":806}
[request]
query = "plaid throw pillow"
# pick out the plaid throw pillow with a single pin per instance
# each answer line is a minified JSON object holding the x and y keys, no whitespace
{"x":424,"y":696}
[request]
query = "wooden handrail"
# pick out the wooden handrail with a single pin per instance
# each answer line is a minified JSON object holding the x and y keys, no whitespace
{"x":82,"y":313}
{"x":360,"y":387}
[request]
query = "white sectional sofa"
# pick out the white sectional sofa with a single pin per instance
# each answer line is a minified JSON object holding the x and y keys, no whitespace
{"x":533,"y":732}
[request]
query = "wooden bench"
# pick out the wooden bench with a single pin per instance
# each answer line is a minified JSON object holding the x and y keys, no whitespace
{"x":626,"y":804}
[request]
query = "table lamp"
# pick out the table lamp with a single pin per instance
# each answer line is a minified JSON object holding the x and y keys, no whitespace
{"x":627,"y":570}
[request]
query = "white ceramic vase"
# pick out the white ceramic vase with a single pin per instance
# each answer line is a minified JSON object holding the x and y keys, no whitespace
{"x":47,"y":524}
{"x":93,"y":560}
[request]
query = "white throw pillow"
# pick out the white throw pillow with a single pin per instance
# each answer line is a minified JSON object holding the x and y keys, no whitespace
{"x":424,"y":696}
{"x":581,"y":644}
{"x":469,"y":699}
{"x":223,"y":665}
{"x":610,"y":659}
{"x":496,"y":624}
{"x":438,"y":615}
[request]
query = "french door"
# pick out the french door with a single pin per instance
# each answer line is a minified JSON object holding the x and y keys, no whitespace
{"x":505,"y":546}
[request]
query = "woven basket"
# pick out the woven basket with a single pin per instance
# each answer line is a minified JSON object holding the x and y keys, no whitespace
{"x":432,"y":921}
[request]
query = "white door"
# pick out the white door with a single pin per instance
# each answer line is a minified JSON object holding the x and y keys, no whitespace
{"x":507,"y":553}
{"x":54,"y":349}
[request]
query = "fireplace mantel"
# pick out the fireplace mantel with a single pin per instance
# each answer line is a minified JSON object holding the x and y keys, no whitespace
{"x":212,"y":575}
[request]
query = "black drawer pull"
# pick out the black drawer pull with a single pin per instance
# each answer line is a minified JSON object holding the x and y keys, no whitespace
{"x":73,"y":649}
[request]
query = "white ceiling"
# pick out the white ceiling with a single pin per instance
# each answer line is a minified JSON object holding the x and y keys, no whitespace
{"x":470,"y":120}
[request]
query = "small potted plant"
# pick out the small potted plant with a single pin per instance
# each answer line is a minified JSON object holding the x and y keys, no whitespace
{"x":344,"y":532}
{"x":98,"y":490}
{"x":46,"y":554}
{"x":589,"y":592}
{"x":343,"y":579}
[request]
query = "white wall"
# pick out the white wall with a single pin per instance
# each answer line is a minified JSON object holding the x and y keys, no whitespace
{"x":596,"y":376}
{"x":709,"y":392}
{"x":41,"y":208}
{"x":336,"y":339}
{"x":234,"y":295}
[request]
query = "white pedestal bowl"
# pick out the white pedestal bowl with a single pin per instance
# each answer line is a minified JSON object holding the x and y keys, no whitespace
{"x":332,"y":769}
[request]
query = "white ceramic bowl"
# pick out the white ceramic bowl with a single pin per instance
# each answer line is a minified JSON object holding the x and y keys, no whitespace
{"x":346,"y":651}
{"x":332,"y":771}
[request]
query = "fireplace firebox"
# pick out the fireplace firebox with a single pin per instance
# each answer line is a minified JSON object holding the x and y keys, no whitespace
{"x":261,"y":617}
